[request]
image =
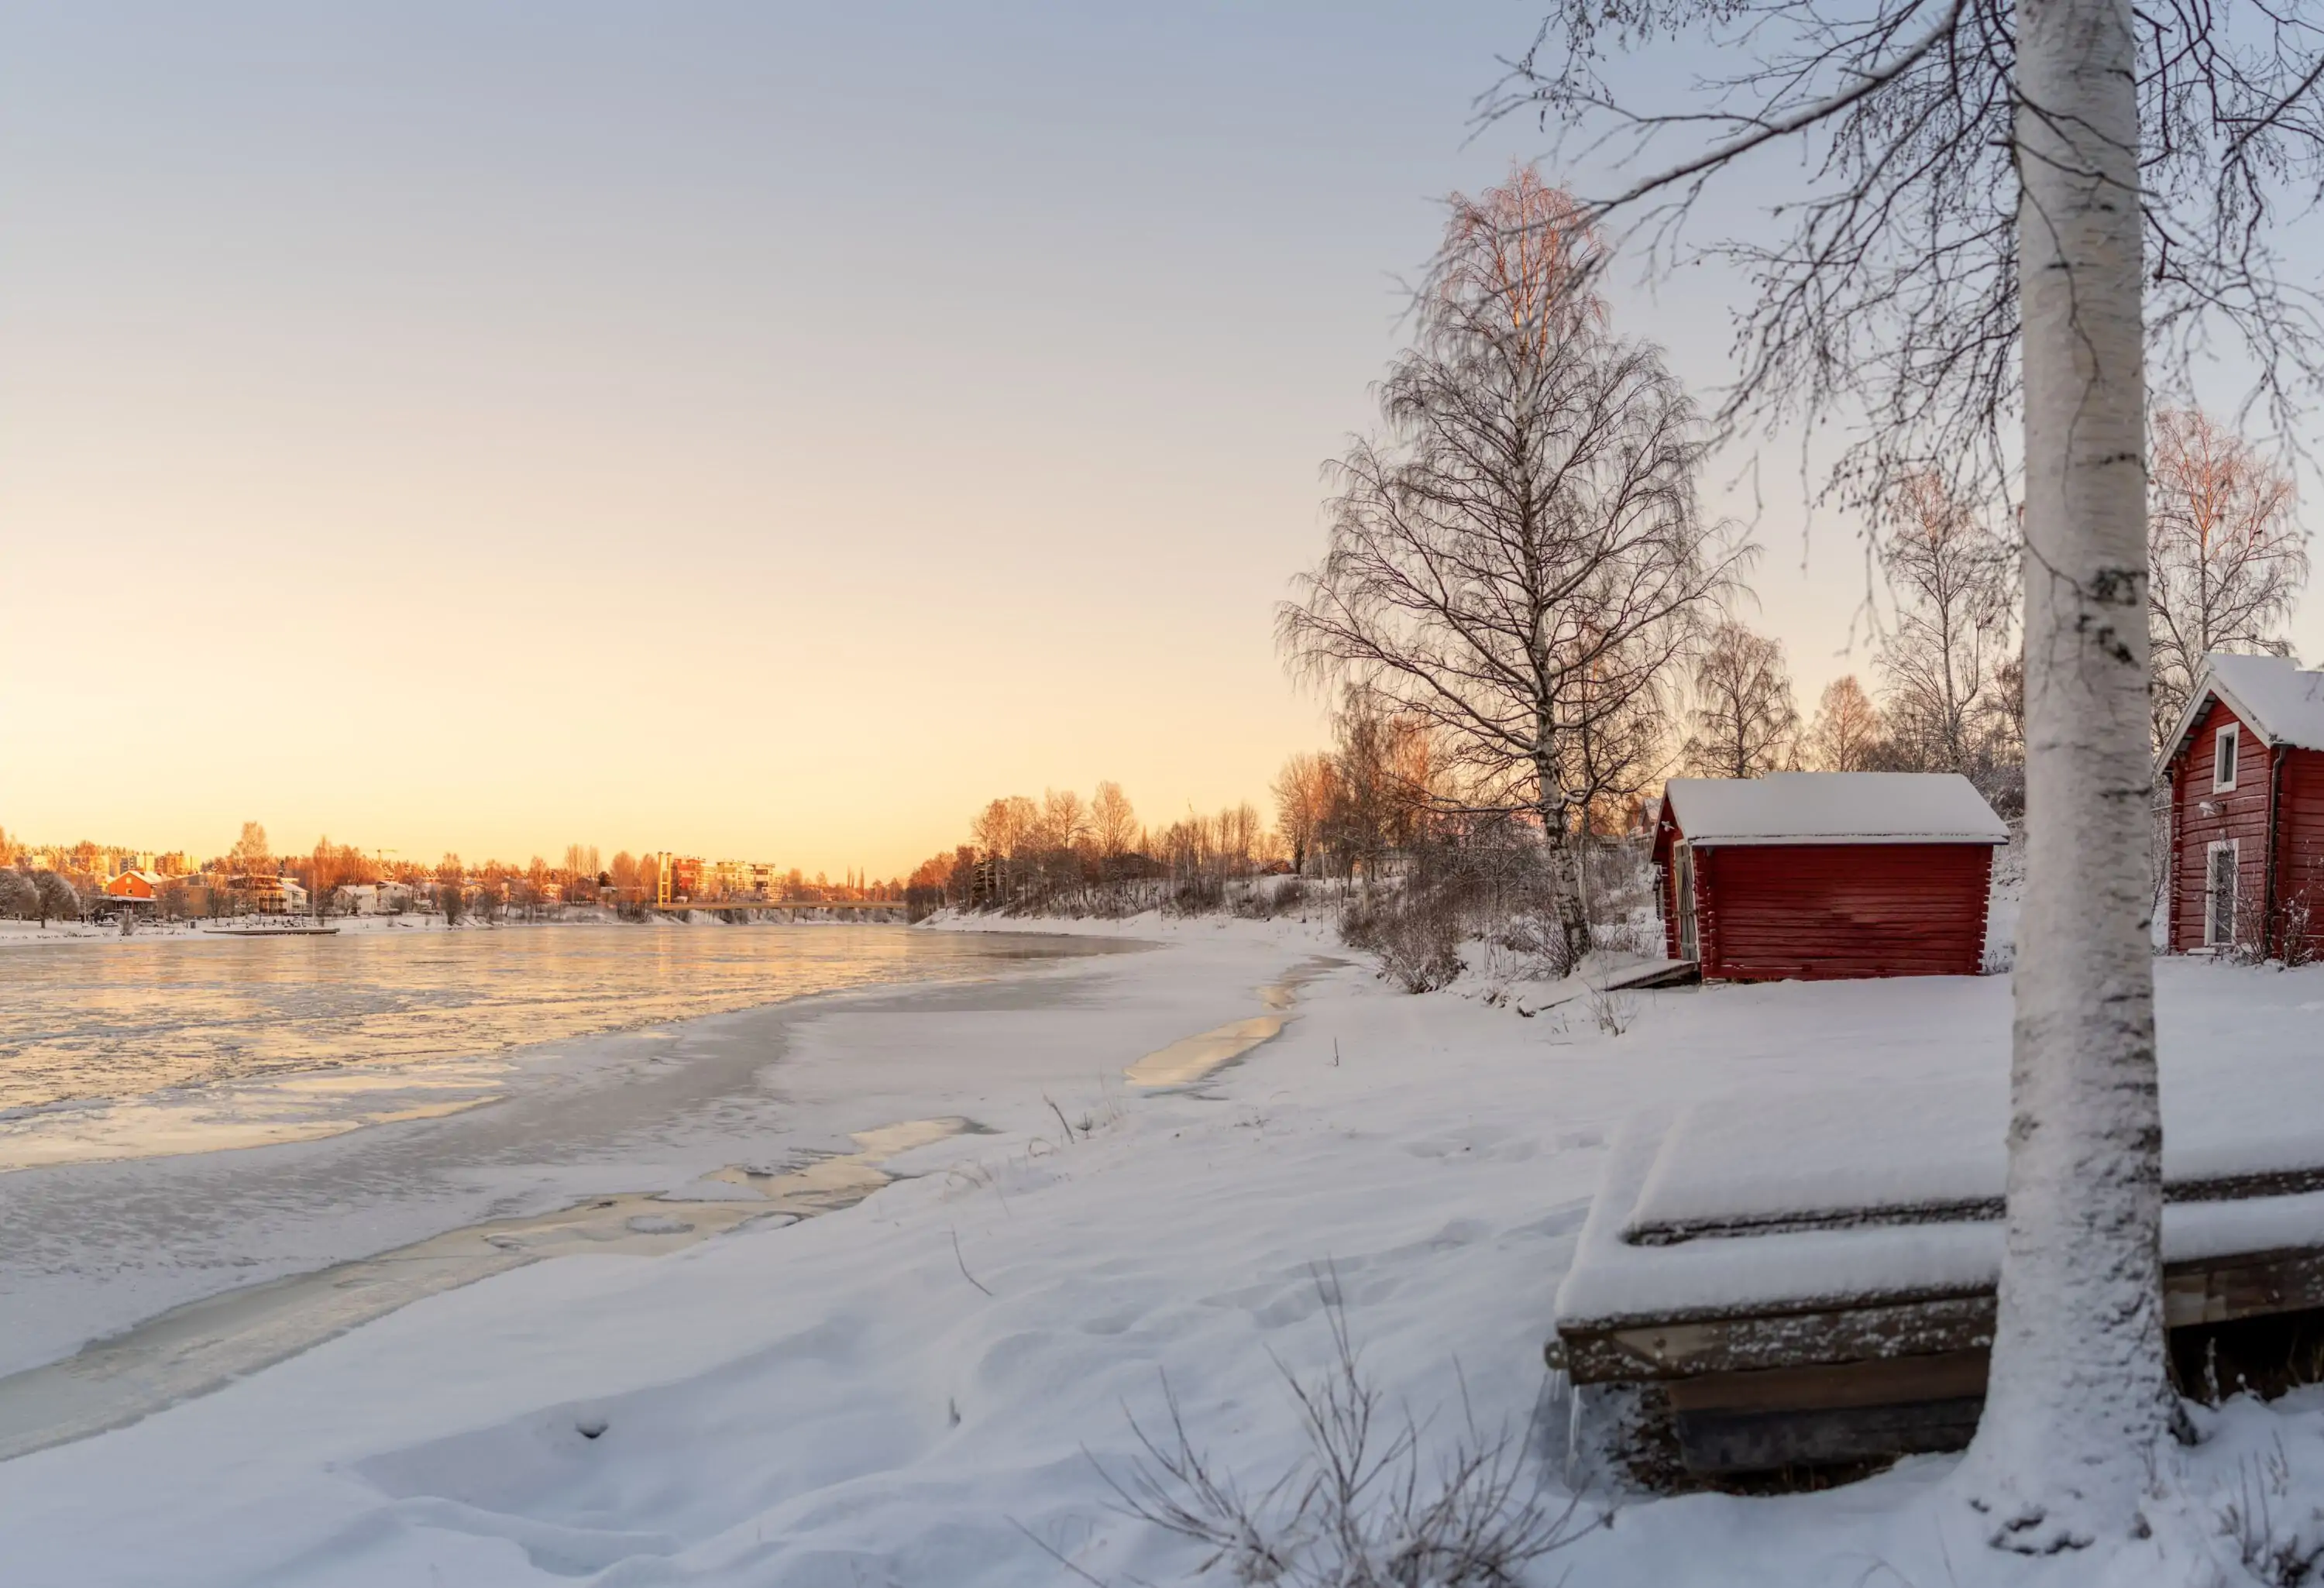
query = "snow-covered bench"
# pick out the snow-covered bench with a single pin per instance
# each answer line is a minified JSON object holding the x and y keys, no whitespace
{"x":1803,"y":1280}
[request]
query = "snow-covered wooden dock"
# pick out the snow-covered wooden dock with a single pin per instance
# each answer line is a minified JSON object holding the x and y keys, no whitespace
{"x":1782,"y":1281}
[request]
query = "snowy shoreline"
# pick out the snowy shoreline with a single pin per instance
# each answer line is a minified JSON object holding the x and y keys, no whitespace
{"x":273,"y":1178}
{"x":904,"y":1391}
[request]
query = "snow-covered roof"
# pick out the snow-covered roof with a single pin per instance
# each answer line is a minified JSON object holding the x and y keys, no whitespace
{"x":2270,"y":694}
{"x":1834,"y":808}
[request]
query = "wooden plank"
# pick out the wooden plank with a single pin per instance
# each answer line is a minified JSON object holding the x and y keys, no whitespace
{"x":1643,"y":978}
{"x":1914,"y":1326}
{"x":1712,"y":1443}
{"x":2205,"y":1291}
{"x":1950,"y":1375}
{"x":2219,"y":1290}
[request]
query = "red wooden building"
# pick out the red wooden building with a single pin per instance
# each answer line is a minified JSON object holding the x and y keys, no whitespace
{"x":2245,"y":771}
{"x":1823,"y":875}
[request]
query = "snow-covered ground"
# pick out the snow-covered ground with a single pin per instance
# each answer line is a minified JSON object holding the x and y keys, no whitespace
{"x":920,"y":1389}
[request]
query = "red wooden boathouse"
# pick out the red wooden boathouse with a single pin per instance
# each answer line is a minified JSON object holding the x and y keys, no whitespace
{"x":2245,"y":771}
{"x":1823,"y":875}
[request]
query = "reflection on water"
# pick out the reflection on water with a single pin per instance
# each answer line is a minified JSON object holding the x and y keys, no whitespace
{"x":119,"y":1020}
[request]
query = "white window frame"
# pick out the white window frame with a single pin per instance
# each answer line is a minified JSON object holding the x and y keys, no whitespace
{"x":2227,"y":751}
{"x":2233,"y":849}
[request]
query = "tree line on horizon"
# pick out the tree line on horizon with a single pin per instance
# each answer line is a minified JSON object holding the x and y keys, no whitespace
{"x":489,"y":891}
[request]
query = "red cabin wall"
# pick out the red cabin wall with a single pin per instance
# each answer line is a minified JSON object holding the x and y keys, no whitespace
{"x":1826,"y":911}
{"x":2300,"y":856}
{"x":2201,"y":816}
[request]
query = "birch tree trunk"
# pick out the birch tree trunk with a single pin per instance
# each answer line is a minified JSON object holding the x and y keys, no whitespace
{"x":2079,"y":1398}
{"x":1565,"y":856}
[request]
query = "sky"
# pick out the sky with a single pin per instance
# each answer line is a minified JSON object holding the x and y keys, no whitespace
{"x":751,"y":429}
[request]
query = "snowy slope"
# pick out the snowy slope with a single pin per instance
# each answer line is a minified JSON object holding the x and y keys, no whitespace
{"x":909,"y":1393}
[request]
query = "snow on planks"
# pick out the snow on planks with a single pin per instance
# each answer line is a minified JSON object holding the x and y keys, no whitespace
{"x":1850,"y":1323}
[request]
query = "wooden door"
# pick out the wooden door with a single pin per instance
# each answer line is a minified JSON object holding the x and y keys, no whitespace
{"x":2219,"y":900}
{"x":1682,"y":883}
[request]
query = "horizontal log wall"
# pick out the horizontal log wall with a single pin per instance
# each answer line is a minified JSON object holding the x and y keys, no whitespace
{"x":1822,"y":911}
{"x":2298,"y":928}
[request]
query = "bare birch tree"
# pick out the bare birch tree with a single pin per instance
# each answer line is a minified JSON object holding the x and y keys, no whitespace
{"x":2227,"y":559}
{"x":1305,"y":792}
{"x":1377,"y":806}
{"x":1519,"y":556}
{"x":249,"y":857}
{"x":1845,"y":736}
{"x":1113,"y":822}
{"x":1991,"y":209}
{"x":1744,"y":719}
{"x":1005,"y":828}
{"x":1952,"y":577}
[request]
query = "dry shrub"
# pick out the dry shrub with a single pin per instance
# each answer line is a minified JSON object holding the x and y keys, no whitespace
{"x":1615,"y":1012}
{"x":1362,"y":1507}
{"x":1265,"y":898}
{"x":2263,"y":1521}
{"x":1414,"y":933}
{"x":1496,"y":886}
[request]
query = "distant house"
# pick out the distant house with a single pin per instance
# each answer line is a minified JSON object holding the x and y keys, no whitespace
{"x":356,"y":898}
{"x":1823,"y":875}
{"x":270,"y":895}
{"x":2245,"y":771}
{"x":142,"y":884}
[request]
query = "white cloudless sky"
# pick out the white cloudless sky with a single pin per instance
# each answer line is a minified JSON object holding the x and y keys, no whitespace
{"x":746,"y":428}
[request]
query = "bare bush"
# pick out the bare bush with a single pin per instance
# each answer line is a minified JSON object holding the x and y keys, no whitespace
{"x":1496,"y":886}
{"x":1362,"y":1508}
{"x":1615,"y":1012}
{"x":1417,"y":938}
{"x":2276,"y":1549}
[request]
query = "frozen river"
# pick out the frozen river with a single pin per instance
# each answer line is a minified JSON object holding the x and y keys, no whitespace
{"x":158,"y":1044}
{"x":377,"y":1090}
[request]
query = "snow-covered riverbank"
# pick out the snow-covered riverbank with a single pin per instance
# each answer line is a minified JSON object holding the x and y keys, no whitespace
{"x":909,"y":1391}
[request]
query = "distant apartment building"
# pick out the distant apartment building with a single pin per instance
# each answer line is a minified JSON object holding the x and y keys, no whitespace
{"x":682,"y":878}
{"x":678,"y":878}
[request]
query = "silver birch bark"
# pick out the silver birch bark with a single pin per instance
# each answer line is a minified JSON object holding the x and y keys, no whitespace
{"x":2079,"y":1398}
